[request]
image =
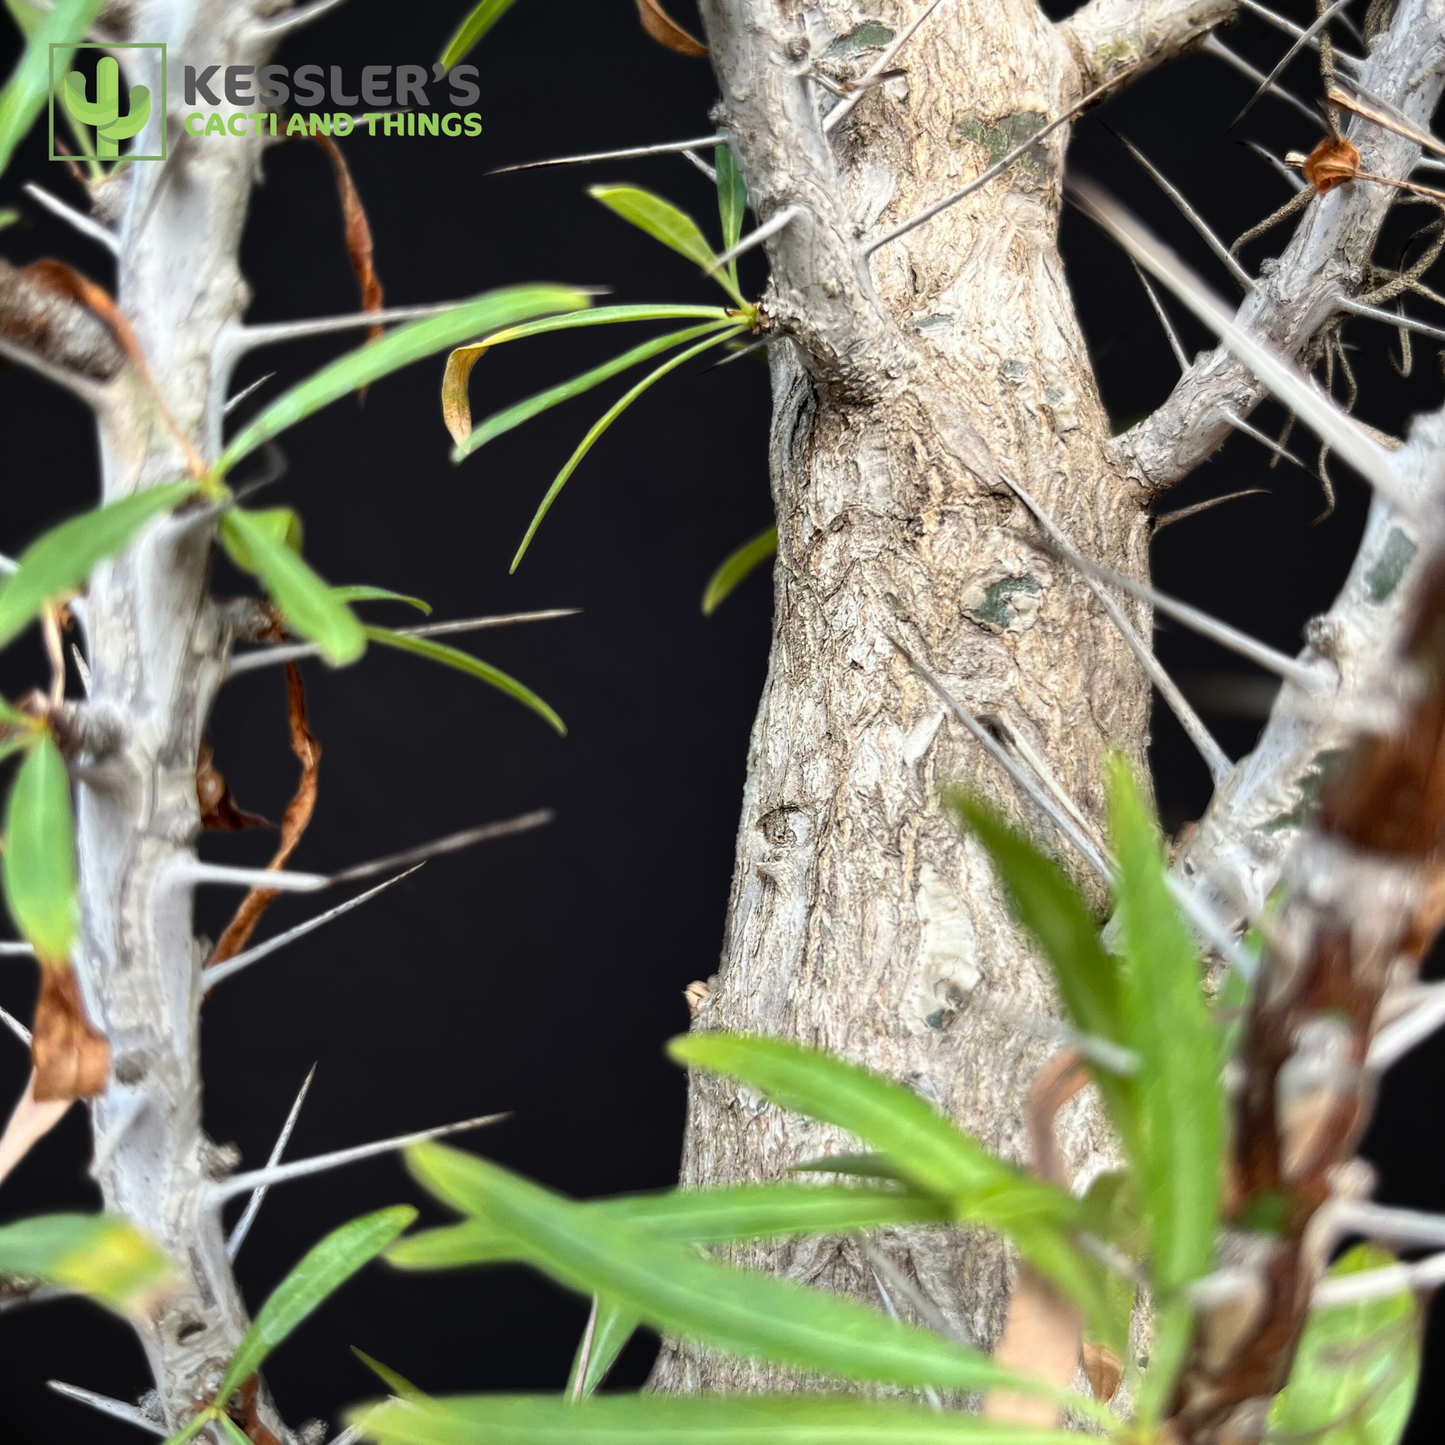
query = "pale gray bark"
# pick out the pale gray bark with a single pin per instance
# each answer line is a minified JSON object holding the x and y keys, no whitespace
{"x":859,"y":919}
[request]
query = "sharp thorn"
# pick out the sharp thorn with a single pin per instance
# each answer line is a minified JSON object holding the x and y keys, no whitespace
{"x":1409,"y":1228}
{"x":453,"y":843}
{"x":1391,"y":318}
{"x":1290,"y":28}
{"x":1030,"y":785}
{"x":770,"y":227}
{"x":1181,"y":357}
{"x":241,"y":395}
{"x":218,"y":973}
{"x":226,"y":1189}
{"x":1212,"y":45}
{"x":294,"y":652}
{"x":1220,"y":250}
{"x":879,"y":66}
{"x":258,"y":1195}
{"x":1343,"y":1289}
{"x":928,"y":1312}
{"x":82,"y":668}
{"x":997,"y":168}
{"x":193,"y":873}
{"x":1165,"y":519}
{"x":350,"y":1436}
{"x":16,"y":950}
{"x":81,"y":222}
{"x":697,"y":163}
{"x":1352,"y":442}
{"x":1265,"y":440}
{"x":1401,"y":1035}
{"x":1214,"y":756}
{"x":584,"y":1352}
{"x":116,"y":1409}
{"x":15,"y":1026}
{"x":1304,"y":38}
{"x":738,"y":355}
{"x":284,"y":24}
{"x":666,"y":148}
{"x":1378,"y":111}
{"x":249,"y":338}
{"x":1296,"y":184}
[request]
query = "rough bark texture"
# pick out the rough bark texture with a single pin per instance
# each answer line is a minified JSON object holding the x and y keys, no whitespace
{"x":860,"y":920}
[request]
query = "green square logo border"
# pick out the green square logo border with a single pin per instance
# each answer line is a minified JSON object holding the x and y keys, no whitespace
{"x":114,"y":45}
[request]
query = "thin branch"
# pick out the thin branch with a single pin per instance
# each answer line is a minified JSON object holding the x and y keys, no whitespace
{"x":303,"y":15}
{"x":1391,"y":318}
{"x":1215,"y":758}
{"x":884,"y":62}
{"x":1214,"y":46}
{"x":770,"y":227}
{"x":998,"y":167}
{"x":218,"y":973}
{"x":1187,"y":211}
{"x":667,"y":148}
{"x":258,"y":1195}
{"x":78,"y":219}
{"x":293,"y":652}
{"x":1304,"y":37}
{"x":116,"y":1409}
{"x":1346,"y":437}
{"x":225,"y":1189}
{"x":235,"y":401}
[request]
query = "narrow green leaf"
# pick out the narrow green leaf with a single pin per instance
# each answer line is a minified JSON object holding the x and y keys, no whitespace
{"x":399,"y":1385}
{"x":614,"y":1326}
{"x":750,"y":556}
{"x":607,"y":316}
{"x":27,"y":16}
{"x":379,"y":594}
{"x":61,"y":560}
{"x":99,"y":1255}
{"x":1356,"y":1369}
{"x":39,"y":866}
{"x":24,"y":95}
{"x":396,"y":349}
{"x":307,"y":603}
{"x":664,"y":222}
{"x":732,"y":202}
{"x":514,"y":416}
{"x":191,"y":1430}
{"x":1049,"y":906}
{"x":1181,"y":1106}
{"x":673,"y":1288}
{"x":231,"y":1430}
{"x":472,"y":666}
{"x":930,"y":1152}
{"x":605,"y":421}
{"x":280,"y":524}
{"x":801,"y":1419}
{"x":323,"y":1271}
{"x":695,"y":1216}
{"x":472,"y":29}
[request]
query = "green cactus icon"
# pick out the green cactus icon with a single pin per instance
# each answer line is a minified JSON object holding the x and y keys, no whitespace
{"x":104,"y":114}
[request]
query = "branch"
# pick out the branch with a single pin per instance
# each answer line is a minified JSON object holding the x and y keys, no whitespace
{"x":1333,"y":243}
{"x":1109,"y":37}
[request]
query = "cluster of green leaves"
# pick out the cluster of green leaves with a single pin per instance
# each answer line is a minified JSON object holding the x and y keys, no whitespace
{"x":709,"y":327}
{"x":638,"y":1256}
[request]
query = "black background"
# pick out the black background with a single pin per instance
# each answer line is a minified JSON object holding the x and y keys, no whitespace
{"x":543,"y":974}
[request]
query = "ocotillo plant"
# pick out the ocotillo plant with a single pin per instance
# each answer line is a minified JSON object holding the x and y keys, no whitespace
{"x":954,"y":523}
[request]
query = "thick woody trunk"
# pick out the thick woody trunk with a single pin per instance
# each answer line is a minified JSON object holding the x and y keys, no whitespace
{"x":860,"y":919}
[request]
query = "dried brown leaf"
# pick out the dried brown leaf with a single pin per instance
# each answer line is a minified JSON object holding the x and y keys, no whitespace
{"x":293,"y":825}
{"x":218,"y":808}
{"x":1104,"y":1369}
{"x":72,"y":1060}
{"x":666,"y":31}
{"x":1042,"y":1339}
{"x":358,"y":238}
{"x":30,"y":1121}
{"x":456,"y":403}
{"x":1331,"y":163}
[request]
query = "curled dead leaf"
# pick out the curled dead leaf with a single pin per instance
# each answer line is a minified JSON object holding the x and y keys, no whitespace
{"x":358,"y":237}
{"x":219,"y":812}
{"x":666,"y":31}
{"x":1104,"y":1369}
{"x":456,"y":403}
{"x":1331,"y":163}
{"x":30,"y":1121}
{"x":293,"y":824}
{"x":72,"y":1060}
